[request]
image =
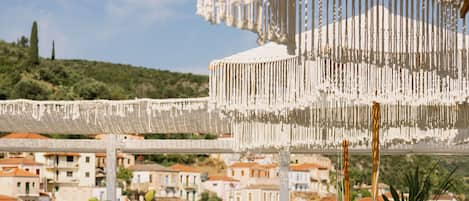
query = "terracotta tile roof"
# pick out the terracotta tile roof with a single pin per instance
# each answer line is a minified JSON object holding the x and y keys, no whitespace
{"x":150,"y":167}
{"x":24,"y":136}
{"x":61,"y":154}
{"x":183,"y":168}
{"x":103,"y":155}
{"x":243,"y":165}
{"x":270,"y":166}
{"x":379,"y":198}
{"x":18,"y":161}
{"x":221,"y":178}
{"x":16,"y":172}
{"x":329,"y":198}
{"x":306,"y":167}
{"x":263,"y":187}
{"x":7,"y":198}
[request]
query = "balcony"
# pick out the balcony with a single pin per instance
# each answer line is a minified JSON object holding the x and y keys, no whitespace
{"x":190,"y":186}
{"x":62,"y":165}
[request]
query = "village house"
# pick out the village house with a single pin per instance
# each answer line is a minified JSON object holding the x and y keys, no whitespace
{"x":249,"y":173}
{"x":309,"y":177}
{"x":29,"y":136}
{"x":189,"y":182}
{"x":154,"y":177}
{"x":257,"y":193}
{"x":223,"y":186}
{"x":26,"y":164}
{"x":19,"y":183}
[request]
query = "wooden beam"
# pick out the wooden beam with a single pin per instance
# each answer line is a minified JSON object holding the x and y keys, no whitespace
{"x":375,"y":150}
{"x":345,"y":144}
{"x":464,"y":8}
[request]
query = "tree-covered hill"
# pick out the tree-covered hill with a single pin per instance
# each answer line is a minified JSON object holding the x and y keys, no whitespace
{"x":81,"y":79}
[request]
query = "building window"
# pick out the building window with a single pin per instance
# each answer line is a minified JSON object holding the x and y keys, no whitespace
{"x":151,"y":178}
{"x":128,"y":161}
{"x":34,"y":184}
{"x":87,"y":174}
{"x":195,"y":179}
{"x":87,"y":159}
{"x":69,"y":158}
{"x":18,"y":184}
{"x":27,"y":169}
{"x":242,"y":172}
{"x":38,"y":171}
{"x":249,"y":196}
{"x":232,"y":173}
{"x":252,"y":173}
{"x":56,"y":189}
{"x":26,"y":188}
{"x":69,"y":174}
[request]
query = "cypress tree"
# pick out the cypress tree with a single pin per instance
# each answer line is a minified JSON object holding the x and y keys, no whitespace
{"x":53,"y":51}
{"x":33,"y":46}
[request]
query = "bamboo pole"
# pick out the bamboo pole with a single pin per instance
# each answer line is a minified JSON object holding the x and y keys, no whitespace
{"x":346,"y":174}
{"x":375,"y":150}
{"x":464,"y":9}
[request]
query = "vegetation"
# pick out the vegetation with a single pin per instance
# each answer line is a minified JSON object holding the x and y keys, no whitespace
{"x":93,"y":199}
{"x":52,"y":57}
{"x":124,"y":176}
{"x":207,"y":196}
{"x":393,"y":170}
{"x":150,"y":196}
{"x":83,"y":80}
{"x":34,"y":46}
{"x":420,"y":187}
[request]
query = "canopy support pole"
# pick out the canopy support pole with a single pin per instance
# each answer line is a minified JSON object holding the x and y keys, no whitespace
{"x":284,"y":158}
{"x":111,"y":162}
{"x":346,"y":174}
{"x":375,"y":150}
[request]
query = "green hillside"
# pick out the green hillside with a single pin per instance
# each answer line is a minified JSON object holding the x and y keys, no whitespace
{"x":81,"y":79}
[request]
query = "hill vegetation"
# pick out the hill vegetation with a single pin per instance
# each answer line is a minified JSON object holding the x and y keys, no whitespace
{"x":83,"y":80}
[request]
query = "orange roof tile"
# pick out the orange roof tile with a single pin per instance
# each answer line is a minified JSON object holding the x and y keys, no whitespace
{"x":7,"y":198}
{"x":61,"y":154}
{"x":329,"y":198}
{"x":243,"y":165}
{"x":103,"y":155}
{"x":379,"y":198}
{"x":183,"y":168}
{"x":270,"y":166}
{"x":18,"y":161}
{"x":16,"y":172}
{"x":220,"y":178}
{"x":306,"y":167}
{"x":25,"y":136}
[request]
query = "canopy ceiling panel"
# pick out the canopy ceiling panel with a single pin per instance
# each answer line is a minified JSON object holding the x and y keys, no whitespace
{"x":354,"y":31}
{"x":117,"y":117}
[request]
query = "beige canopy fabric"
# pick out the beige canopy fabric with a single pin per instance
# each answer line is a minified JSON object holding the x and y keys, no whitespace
{"x":395,"y":32}
{"x":107,"y":117}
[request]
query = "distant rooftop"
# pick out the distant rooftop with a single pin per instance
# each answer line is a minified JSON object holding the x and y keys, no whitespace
{"x":16,"y":172}
{"x":263,"y":187}
{"x":221,"y":178}
{"x":25,"y":136}
{"x":7,"y":198}
{"x":183,"y":168}
{"x":18,"y":161}
{"x":150,"y":167}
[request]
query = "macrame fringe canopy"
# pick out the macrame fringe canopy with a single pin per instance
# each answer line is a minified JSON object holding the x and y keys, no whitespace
{"x":409,"y":34}
{"x":109,"y":117}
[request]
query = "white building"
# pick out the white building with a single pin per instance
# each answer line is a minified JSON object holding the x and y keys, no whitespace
{"x":68,"y":193}
{"x":23,"y":185}
{"x":257,"y":193}
{"x":154,"y":177}
{"x":26,"y":164}
{"x":309,"y":177}
{"x":223,"y":186}
{"x":189,"y":182}
{"x":252,"y":173}
{"x":69,"y":170}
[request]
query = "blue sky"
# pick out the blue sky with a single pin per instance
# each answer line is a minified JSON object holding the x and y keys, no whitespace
{"x":163,"y":34}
